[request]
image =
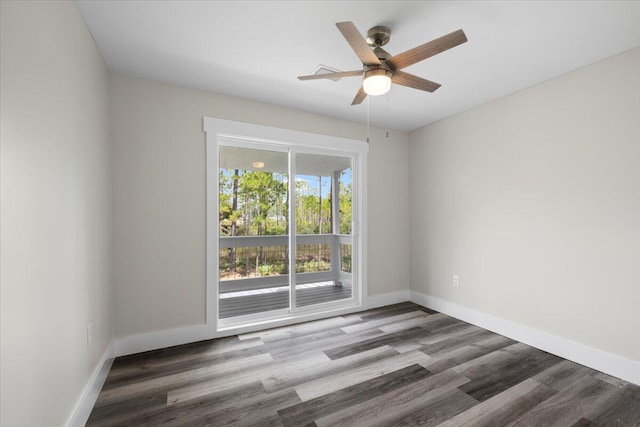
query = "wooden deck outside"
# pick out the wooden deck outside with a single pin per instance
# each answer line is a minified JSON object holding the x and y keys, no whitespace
{"x":278,"y":298}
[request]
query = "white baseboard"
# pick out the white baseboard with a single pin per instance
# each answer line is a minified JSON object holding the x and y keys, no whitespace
{"x":84,"y":406}
{"x":608,"y":363}
{"x":188,"y":334}
{"x":160,"y":339}
{"x":375,"y":301}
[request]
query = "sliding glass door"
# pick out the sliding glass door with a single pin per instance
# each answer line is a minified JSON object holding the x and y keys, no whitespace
{"x":253,"y":270}
{"x":282,"y":211}
{"x":323,"y":209}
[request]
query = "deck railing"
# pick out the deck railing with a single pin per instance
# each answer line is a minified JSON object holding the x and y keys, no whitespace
{"x":260,"y":262}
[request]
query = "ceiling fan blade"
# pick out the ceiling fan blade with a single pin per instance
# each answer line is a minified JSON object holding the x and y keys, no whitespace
{"x":427,"y":50}
{"x":360,"y":96}
{"x":357,"y":43}
{"x":409,"y":80}
{"x":355,"y":73}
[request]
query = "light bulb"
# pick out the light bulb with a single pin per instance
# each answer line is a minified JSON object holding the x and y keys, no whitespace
{"x":377,"y":82}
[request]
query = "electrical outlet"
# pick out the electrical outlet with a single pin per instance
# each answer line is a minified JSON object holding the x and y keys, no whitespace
{"x":456,"y":281}
{"x":89,"y":334}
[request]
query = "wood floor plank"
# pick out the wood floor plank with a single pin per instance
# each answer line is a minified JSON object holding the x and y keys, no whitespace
{"x":563,"y":375}
{"x":415,"y":315}
{"x":453,"y":343}
{"x":392,"y":407}
{"x":568,"y":406}
{"x":617,"y":382}
{"x":284,"y":352}
{"x":119,"y":414}
{"x":433,"y":336}
{"x":306,"y":412}
{"x":383,"y":339}
{"x":181,"y":364}
{"x":405,"y":340}
{"x":439,"y":321}
{"x":183,"y":379}
{"x":583,"y":422}
{"x":444,"y":360}
{"x":175,"y":353}
{"x":420,"y":320}
{"x":248,"y":374}
{"x":410,"y":319}
{"x":438,"y":409}
{"x":291,"y":376}
{"x":258,"y":410}
{"x":503,"y":408}
{"x":496,"y":380}
{"x":621,"y":409}
{"x":337,"y":381}
{"x":388,"y":366}
{"x":303,"y":341}
{"x":478,"y":367}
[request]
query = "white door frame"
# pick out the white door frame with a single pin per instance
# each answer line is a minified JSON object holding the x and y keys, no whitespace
{"x":226,"y":132}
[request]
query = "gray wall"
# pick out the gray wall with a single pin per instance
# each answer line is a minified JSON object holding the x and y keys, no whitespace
{"x":56,"y":205}
{"x":534,"y":201}
{"x":159,"y":198}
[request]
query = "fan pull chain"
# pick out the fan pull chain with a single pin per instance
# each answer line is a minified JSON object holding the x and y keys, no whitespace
{"x":368,"y":114}
{"x":387,"y":119}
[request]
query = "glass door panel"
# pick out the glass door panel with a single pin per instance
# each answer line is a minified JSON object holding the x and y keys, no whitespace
{"x":323,"y":211}
{"x":253,"y":269}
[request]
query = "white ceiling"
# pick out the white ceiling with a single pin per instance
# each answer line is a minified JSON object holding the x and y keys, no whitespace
{"x":255,"y":50}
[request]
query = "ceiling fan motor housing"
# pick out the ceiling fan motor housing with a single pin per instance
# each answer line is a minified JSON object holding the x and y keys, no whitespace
{"x":378,"y":36}
{"x":382,"y":69}
{"x":382,"y":54}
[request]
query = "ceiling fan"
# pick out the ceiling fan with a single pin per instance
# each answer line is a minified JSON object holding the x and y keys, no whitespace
{"x":380,"y":68}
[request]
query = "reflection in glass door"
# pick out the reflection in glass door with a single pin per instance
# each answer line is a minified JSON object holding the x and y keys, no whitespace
{"x":323,"y":218}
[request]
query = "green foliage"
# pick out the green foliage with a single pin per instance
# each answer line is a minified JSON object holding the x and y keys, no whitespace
{"x":345,"y":208}
{"x":227,"y":216}
{"x":310,"y":217}
{"x":312,"y":265}
{"x":266,"y":269}
{"x":262,"y":205}
{"x":346,"y":263}
{"x":253,"y":203}
{"x":265,"y":192}
{"x":260,"y":200}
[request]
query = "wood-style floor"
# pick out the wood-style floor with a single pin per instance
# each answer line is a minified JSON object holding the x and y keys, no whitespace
{"x":401,"y":365}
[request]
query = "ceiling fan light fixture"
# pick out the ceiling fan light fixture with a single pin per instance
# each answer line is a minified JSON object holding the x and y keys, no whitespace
{"x":377,"y":82}
{"x":379,"y":66}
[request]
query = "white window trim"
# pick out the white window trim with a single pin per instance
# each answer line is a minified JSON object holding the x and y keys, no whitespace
{"x":217,"y":131}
